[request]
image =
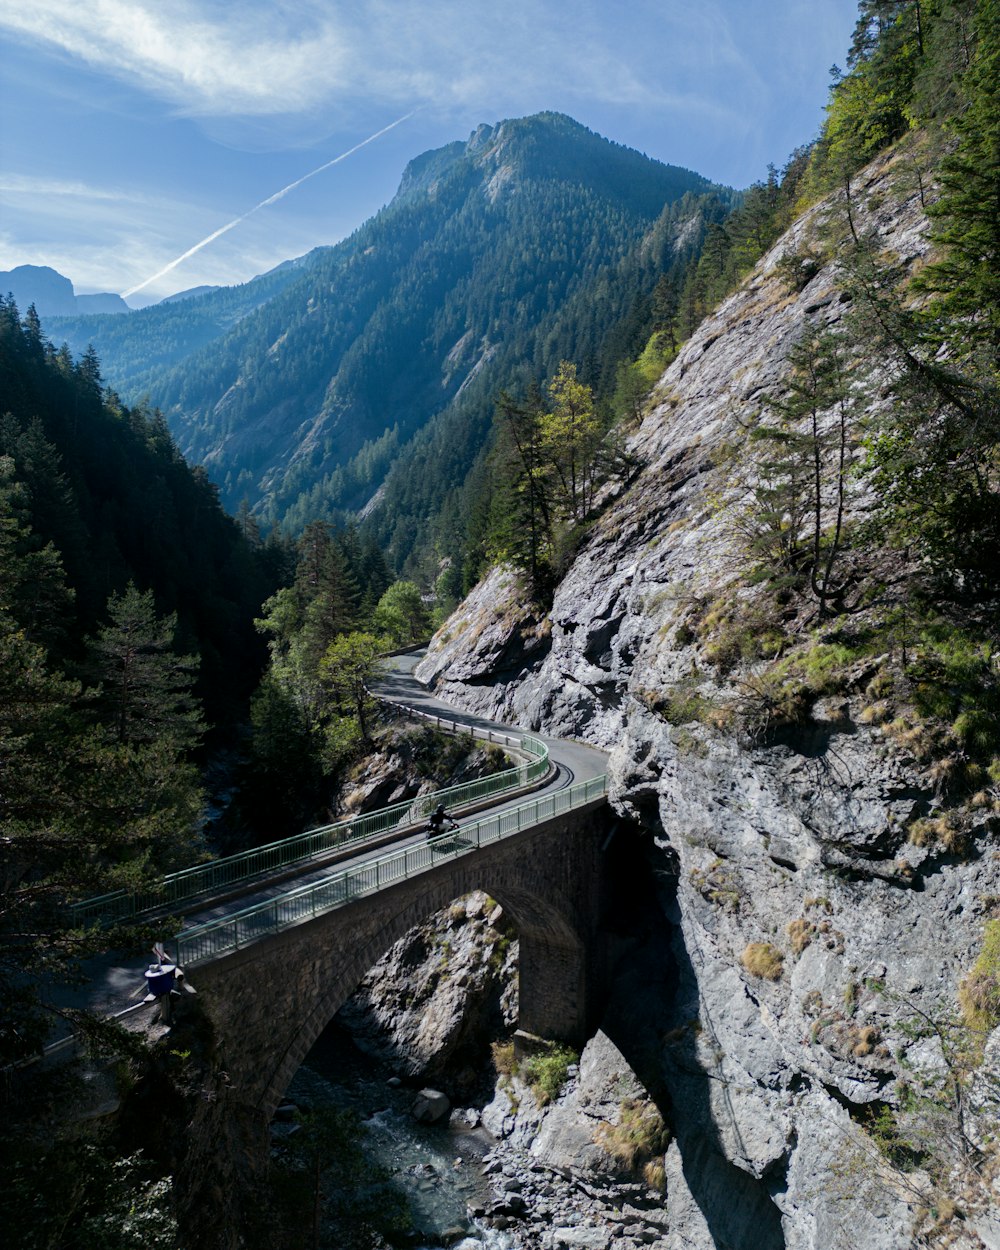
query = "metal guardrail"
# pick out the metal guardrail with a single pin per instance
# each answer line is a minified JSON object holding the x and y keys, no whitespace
{"x":219,"y":937}
{"x":218,"y":875}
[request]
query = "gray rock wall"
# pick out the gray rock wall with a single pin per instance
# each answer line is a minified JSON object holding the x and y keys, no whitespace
{"x":434,"y":1002}
{"x":768,"y":1079}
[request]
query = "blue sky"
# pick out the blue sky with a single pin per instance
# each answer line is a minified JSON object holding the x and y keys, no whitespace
{"x":131,"y":130}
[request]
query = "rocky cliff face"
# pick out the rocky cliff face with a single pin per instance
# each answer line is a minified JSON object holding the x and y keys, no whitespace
{"x":808,"y":938}
{"x":408,"y":760}
{"x":431,"y":1005}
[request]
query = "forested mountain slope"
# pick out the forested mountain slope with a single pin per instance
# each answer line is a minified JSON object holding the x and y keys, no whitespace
{"x":127,"y":598}
{"x":106,"y":487}
{"x":499,"y":255}
{"x":136,"y":350}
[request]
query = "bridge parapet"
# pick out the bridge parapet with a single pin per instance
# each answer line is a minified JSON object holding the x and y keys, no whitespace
{"x":214,"y":877}
{"x":216,"y":938}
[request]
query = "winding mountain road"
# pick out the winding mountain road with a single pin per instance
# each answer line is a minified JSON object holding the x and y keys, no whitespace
{"x":574,"y":761}
{"x":113,"y":985}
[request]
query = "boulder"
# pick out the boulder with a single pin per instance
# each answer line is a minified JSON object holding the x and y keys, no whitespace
{"x":431,"y":1106}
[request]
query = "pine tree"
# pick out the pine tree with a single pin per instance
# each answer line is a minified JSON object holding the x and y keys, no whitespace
{"x":796,"y":522}
{"x":666,"y":307}
{"x":147,"y":689}
{"x":280,"y":784}
{"x":33,"y":588}
{"x":521,"y":517}
{"x":966,"y":216}
{"x":42,"y":855}
{"x":570,"y":434}
{"x":80,"y":813}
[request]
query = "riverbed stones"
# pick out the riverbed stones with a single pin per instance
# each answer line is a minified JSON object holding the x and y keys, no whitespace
{"x":580,"y":1239}
{"x":454,"y":1236}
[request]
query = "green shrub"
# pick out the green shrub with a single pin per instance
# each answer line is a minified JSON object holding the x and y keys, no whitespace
{"x":546,"y":1071}
{"x":683,"y":704}
{"x":979,"y":992}
{"x":797,"y":269}
{"x":954,"y":680}
{"x":822,"y":666}
{"x":976,"y":729}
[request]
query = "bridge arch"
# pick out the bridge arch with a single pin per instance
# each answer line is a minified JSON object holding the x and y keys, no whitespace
{"x":270,"y":1001}
{"x":539,"y":922}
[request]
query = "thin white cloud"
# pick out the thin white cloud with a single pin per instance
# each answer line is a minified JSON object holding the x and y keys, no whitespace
{"x":100,"y":238}
{"x":103,"y":252}
{"x":258,"y":59}
{"x":32,"y":186}
{"x":203,"y":58}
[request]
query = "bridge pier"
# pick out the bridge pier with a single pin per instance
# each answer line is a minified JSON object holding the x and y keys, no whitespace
{"x":562,"y":972}
{"x":554,"y":992}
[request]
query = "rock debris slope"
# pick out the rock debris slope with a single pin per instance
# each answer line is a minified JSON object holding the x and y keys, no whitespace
{"x":792,"y":852}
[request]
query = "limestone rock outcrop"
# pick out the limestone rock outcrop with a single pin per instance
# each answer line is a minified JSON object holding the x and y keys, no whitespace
{"x":433,"y":1003}
{"x":808,"y":936}
{"x":410,"y":760}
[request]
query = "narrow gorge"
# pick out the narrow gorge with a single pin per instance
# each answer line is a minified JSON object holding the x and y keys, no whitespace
{"x":549,"y":742}
{"x":805,"y":945}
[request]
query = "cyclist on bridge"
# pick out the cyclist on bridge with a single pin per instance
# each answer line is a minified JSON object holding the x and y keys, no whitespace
{"x":439,"y":820}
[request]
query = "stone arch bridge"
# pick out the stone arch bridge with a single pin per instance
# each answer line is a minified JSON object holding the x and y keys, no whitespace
{"x":269,"y":1000}
{"x":270,"y":976}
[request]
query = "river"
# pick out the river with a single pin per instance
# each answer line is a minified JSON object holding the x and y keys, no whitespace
{"x":438,"y":1169}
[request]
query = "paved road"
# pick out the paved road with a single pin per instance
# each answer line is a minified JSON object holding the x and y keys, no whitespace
{"x":575,"y":761}
{"x":114,"y":985}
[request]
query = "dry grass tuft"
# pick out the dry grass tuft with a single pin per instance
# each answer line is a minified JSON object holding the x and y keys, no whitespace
{"x":638,"y":1141}
{"x":503,"y":1058}
{"x":946,"y":831}
{"x":800,"y":934}
{"x":761,"y":959}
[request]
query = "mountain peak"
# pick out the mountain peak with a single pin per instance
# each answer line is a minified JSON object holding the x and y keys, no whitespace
{"x":304,"y":395}
{"x":52,"y":293}
{"x":545,"y":147}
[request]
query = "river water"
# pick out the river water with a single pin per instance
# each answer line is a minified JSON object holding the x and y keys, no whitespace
{"x":438,"y":1169}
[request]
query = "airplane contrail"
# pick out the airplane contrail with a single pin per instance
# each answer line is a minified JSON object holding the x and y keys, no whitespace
{"x":271,"y":199}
